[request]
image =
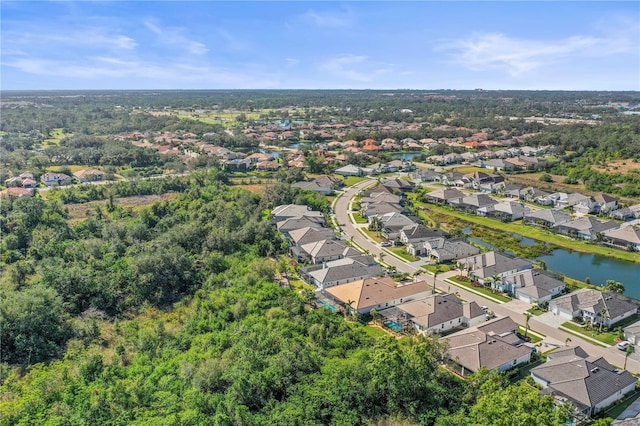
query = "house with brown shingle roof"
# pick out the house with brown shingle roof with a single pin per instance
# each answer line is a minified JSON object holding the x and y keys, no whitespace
{"x":593,"y":305}
{"x":439,"y":313}
{"x":377,"y":293}
{"x":494,"y":346}
{"x":588,"y":383}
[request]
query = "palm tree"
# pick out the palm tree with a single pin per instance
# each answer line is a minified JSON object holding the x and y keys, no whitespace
{"x":630,"y":349}
{"x":435,"y":274}
{"x":567,"y":341}
{"x":347,"y":307}
{"x":527,"y":316}
{"x":603,"y":313}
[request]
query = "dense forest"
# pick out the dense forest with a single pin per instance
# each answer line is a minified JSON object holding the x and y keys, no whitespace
{"x":170,"y":314}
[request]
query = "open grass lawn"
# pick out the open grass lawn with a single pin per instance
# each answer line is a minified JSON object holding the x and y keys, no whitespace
{"x":432,"y":268}
{"x":536,"y":311}
{"x":401,"y":252}
{"x":481,"y":290}
{"x":359,"y":219}
{"x":533,"y":232}
{"x":471,"y":169}
{"x":55,"y":135}
{"x":297,"y":285}
{"x":374,"y":235}
{"x":607,"y":338}
{"x":350,"y":180}
{"x":375,"y":331}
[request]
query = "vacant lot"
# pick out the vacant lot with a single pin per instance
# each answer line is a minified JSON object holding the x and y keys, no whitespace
{"x":79,"y":211}
{"x":618,"y":166}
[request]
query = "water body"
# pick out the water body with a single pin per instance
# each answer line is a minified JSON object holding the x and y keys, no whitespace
{"x":275,"y":154}
{"x":408,"y":156}
{"x":598,"y":269}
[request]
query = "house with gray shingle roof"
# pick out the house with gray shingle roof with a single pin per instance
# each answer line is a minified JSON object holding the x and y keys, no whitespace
{"x":443,"y":250}
{"x":327,"y":250}
{"x":494,"y":346}
{"x":440,"y":313}
{"x":413,"y":236}
{"x":627,"y":237}
{"x":589,"y":384}
{"x":549,"y":218}
{"x":443,"y":196}
{"x":585,"y":228}
{"x":593,"y":305}
{"x":531,"y":285}
{"x":473,"y":202}
{"x":287,"y":211}
{"x":505,"y":211}
{"x":341,"y":271}
{"x":487,"y":265}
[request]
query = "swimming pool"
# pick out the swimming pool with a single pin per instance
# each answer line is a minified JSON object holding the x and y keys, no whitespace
{"x":393,"y":325}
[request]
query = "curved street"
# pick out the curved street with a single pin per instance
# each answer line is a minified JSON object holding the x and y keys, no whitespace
{"x":515,"y":308}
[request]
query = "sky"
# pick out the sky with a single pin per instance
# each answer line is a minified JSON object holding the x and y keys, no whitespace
{"x":541,"y":45}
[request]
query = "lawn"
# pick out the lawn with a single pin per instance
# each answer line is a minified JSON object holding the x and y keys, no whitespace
{"x":374,"y":235}
{"x":481,"y":290}
{"x":536,"y":311}
{"x":350,"y":180}
{"x":357,"y":217}
{"x":297,"y":285}
{"x":401,"y":252}
{"x":432,"y":268}
{"x":376,"y":332}
{"x":607,"y":338}
{"x":533,"y":232}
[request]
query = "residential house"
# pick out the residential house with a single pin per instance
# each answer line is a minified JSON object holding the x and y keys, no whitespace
{"x":507,"y":211}
{"x":89,"y":175}
{"x":438,"y":313}
{"x":471,"y":203}
{"x":531,"y":285}
{"x":259,"y":157}
{"x":377,"y":293}
{"x":632,"y":333}
{"x":380,"y":197}
{"x":443,"y":250}
{"x":333,"y":182}
{"x":626,"y":213}
{"x":498,"y":164}
{"x":606,"y":203}
{"x":534,"y":195}
{"x":391,"y":224}
{"x":626,"y":237}
{"x":414,"y":236}
{"x":588,"y":383}
{"x":585,"y":228}
{"x":327,"y":250}
{"x":287,"y":211}
{"x":293,"y":223}
{"x":268,"y":166}
{"x":24,"y":180}
{"x":443,"y":196}
{"x":16,"y":192}
{"x":341,"y":271}
{"x":55,"y":179}
{"x":456,"y":179}
{"x":548,"y":218}
{"x":563,"y":200}
{"x":397,"y":185}
{"x":313,"y":186}
{"x":350,"y":170}
{"x":510,"y":190}
{"x":487,"y":266}
{"x":427,"y":176}
{"x":587,"y":205}
{"x":494,"y":346}
{"x":594,"y":306}
{"x":300,"y":237}
{"x":379,"y":209}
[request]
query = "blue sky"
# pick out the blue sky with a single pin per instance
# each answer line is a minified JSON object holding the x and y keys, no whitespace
{"x":572,"y":45}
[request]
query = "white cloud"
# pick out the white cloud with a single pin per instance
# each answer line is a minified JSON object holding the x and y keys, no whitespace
{"x":518,"y":56}
{"x":94,"y":38}
{"x":174,"y":37}
{"x":334,"y":19}
{"x":291,"y":62}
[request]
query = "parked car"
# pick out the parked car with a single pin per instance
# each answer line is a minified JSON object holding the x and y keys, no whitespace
{"x":484,"y":308}
{"x":623,"y":345}
{"x":385,"y":244}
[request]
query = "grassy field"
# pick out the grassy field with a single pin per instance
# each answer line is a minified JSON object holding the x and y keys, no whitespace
{"x":401,"y":252}
{"x":359,"y":219}
{"x":533,"y":232}
{"x":74,"y":168}
{"x":605,"y":337}
{"x":374,"y":235}
{"x":481,"y":290}
{"x":350,"y":180}
{"x":55,"y":136}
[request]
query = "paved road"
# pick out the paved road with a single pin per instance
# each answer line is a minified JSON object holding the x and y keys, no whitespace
{"x":514,"y":309}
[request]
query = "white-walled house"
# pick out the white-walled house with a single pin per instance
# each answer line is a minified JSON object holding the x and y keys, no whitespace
{"x":593,"y":305}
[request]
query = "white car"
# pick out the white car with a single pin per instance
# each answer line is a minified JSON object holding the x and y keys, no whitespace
{"x":623,"y":345}
{"x":484,"y":308}
{"x":385,"y":244}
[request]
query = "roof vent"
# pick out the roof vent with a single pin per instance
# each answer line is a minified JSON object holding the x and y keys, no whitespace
{"x":595,"y":370}
{"x":493,"y":341}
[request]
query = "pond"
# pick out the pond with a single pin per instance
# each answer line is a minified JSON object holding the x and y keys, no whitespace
{"x":409,"y":156}
{"x":275,"y":154}
{"x":598,"y":269}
